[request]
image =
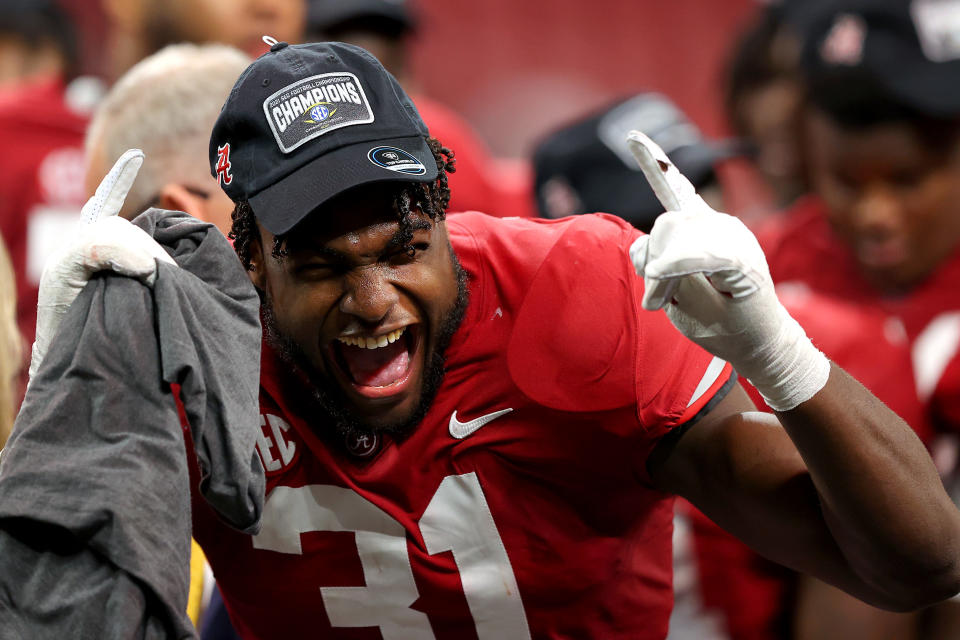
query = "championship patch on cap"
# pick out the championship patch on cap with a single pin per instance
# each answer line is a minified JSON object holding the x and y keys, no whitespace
{"x":394,"y":159}
{"x":314,"y":106}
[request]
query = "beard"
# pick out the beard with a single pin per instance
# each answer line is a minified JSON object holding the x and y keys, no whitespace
{"x":332,"y":402}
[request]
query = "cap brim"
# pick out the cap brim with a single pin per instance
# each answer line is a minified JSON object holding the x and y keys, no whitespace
{"x":286,"y":202}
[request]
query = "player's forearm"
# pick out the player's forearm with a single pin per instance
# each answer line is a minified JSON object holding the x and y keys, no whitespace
{"x":879,"y":492}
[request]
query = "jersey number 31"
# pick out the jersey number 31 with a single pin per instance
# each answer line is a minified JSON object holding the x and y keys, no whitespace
{"x":457,"y":519}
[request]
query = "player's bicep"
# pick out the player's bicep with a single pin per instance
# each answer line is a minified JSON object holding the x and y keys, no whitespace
{"x":690,"y":460}
{"x":741,"y":469}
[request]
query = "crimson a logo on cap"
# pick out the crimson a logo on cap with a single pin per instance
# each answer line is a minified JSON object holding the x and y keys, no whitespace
{"x":362,"y":444}
{"x":844,"y":43}
{"x":224,"y":175}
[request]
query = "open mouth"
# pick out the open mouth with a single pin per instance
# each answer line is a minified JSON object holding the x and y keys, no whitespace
{"x":881,"y":254}
{"x":377,"y":366}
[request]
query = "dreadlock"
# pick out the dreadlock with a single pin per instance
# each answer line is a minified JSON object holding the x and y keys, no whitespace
{"x":431,"y":199}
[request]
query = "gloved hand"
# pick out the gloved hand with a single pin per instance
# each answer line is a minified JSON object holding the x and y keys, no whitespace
{"x":103,"y":241}
{"x":708,"y":272}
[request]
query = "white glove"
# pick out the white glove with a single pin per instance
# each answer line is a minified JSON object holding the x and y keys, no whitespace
{"x":708,"y":272}
{"x":103,"y":241}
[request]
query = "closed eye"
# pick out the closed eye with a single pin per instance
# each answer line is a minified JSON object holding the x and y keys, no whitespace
{"x":408,"y":253}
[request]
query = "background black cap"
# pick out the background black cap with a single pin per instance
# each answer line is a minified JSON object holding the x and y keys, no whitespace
{"x":587,"y":167}
{"x":306,"y":122}
{"x":389,"y":16}
{"x":908,"y":49}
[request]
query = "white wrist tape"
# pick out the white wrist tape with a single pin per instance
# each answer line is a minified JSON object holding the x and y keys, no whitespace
{"x":790,"y":369}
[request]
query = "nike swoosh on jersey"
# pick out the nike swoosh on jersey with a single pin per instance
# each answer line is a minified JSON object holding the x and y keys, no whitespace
{"x":461,"y":430}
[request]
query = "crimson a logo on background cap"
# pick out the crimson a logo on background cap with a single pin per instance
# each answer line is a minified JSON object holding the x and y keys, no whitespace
{"x":844,"y":43}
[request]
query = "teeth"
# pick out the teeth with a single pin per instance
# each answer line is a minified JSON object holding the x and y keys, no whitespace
{"x":367,"y":342}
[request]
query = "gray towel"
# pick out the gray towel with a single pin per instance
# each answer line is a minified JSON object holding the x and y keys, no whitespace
{"x":94,"y":482}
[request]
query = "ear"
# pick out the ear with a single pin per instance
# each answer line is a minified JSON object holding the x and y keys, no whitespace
{"x":175,"y":198}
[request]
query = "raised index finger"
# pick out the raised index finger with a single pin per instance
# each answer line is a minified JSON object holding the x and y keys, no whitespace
{"x":670,"y":186}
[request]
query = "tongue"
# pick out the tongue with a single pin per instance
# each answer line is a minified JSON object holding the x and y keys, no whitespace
{"x":377,"y":367}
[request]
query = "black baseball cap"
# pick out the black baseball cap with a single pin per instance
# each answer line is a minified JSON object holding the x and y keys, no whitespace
{"x":306,"y":122}
{"x":586,"y":165}
{"x":908,"y":49}
{"x":390,"y":16}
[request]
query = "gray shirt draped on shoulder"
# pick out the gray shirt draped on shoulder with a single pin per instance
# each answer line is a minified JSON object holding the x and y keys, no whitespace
{"x":94,"y":482}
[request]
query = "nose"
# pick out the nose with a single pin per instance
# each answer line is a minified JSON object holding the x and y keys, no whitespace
{"x":878,"y":210}
{"x":370,"y":296}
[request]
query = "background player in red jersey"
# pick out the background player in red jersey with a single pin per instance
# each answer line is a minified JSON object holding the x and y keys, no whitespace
{"x":719,"y":583}
{"x":882,"y":120}
{"x":471,"y":428}
{"x":41,"y":124}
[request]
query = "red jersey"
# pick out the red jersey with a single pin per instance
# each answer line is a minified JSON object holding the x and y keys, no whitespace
{"x":804,"y":249}
{"x":41,"y":182}
{"x":520,"y":506}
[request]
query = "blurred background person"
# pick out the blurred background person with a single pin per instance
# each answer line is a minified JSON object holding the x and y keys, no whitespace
{"x":41,"y":128}
{"x":43,"y":116}
{"x":386,"y":29}
{"x":11,"y":345}
{"x":763,"y":95}
{"x":182,"y":88}
{"x":138,"y":28}
{"x":585,"y":166}
{"x":722,"y":588}
{"x":882,"y":229}
{"x":37,"y":43}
